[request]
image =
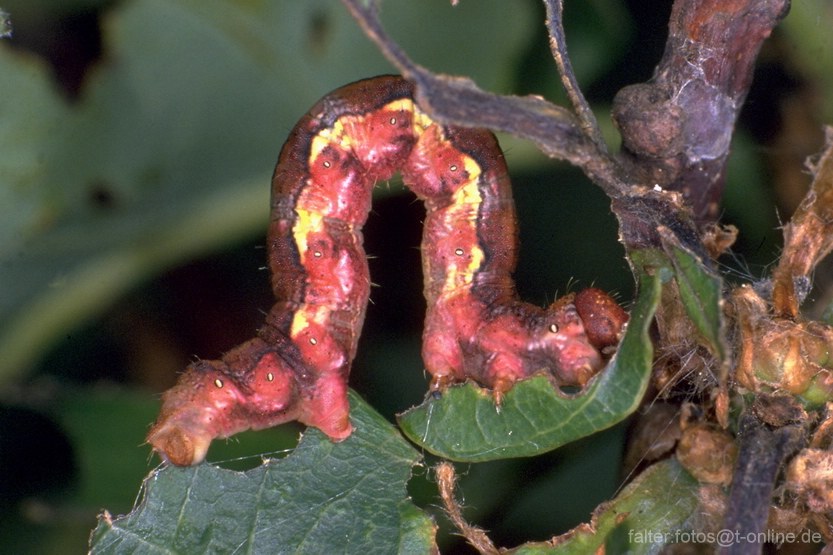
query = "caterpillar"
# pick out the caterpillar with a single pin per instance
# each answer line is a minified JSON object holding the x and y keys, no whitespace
{"x":476,"y":327}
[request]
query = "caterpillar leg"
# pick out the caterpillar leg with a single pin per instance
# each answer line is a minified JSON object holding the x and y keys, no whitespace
{"x":327,"y":408}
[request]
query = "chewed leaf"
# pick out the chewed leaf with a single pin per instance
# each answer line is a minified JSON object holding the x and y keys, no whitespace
{"x":465,"y":424}
{"x":655,"y":506}
{"x":325,"y":497}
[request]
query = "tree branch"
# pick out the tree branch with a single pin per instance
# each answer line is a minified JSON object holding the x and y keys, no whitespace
{"x":677,"y":128}
{"x":761,"y":456}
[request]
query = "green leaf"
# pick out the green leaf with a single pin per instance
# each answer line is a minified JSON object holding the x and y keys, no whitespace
{"x":323,"y":498}
{"x":700,"y":291}
{"x":658,"y":503}
{"x":177,"y":129}
{"x":534,"y":417}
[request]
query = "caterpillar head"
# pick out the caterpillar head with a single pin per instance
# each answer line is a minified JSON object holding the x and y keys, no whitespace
{"x":581,"y":330}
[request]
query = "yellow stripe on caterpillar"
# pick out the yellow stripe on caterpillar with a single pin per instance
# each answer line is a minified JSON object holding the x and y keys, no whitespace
{"x":306,"y":223}
{"x":333,"y":135}
{"x":466,"y":204}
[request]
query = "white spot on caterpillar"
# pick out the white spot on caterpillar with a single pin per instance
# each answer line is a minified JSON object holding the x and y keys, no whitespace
{"x":270,"y":377}
{"x":453,"y":167}
{"x":327,"y":164}
{"x":218,"y":383}
{"x":459,"y":252}
{"x":313,"y":341}
{"x":553,"y":328}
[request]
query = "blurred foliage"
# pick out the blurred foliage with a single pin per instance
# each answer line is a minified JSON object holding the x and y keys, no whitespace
{"x":137,"y":140}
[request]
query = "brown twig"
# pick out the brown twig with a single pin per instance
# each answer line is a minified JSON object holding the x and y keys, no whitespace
{"x":447,"y":481}
{"x":558,"y":47}
{"x":761,"y":456}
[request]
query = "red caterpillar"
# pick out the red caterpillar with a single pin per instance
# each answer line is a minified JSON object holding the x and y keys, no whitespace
{"x":297,"y":367}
